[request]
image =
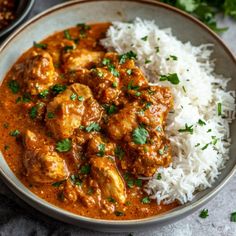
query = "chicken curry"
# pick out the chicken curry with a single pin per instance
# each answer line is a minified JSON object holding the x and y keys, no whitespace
{"x":81,"y":127}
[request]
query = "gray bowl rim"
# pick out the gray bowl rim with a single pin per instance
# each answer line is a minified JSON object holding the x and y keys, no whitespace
{"x":29,"y":5}
{"x":57,"y":212}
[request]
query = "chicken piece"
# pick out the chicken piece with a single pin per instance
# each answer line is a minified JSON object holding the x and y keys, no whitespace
{"x":122,"y":123}
{"x":68,"y":109}
{"x":39,"y":73}
{"x":80,"y":58}
{"x":105,"y":172}
{"x":42,"y":164}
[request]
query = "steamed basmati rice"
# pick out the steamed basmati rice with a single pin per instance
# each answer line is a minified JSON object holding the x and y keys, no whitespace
{"x":199,"y":157}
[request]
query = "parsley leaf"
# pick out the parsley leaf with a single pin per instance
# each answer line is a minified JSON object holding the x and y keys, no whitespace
{"x":101,"y":150}
{"x":64,"y":145}
{"x":119,"y":152}
{"x":15,"y":133}
{"x":58,"y":184}
{"x":67,"y":35}
{"x":85,"y":169}
{"x":44,"y":93}
{"x":40,"y":45}
{"x":146,"y":200}
{"x":187,"y":128}
{"x":93,"y":127}
{"x":201,"y":122}
{"x":110,"y":109}
{"x":204,"y":213}
{"x":233,"y":217}
{"x":58,"y":88}
{"x":173,"y":78}
{"x":140,"y":135}
{"x":33,"y":112}
{"x":128,"y":55}
{"x":14,"y":86}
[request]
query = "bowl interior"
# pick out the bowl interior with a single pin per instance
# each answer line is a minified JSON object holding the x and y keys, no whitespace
{"x":71,"y":13}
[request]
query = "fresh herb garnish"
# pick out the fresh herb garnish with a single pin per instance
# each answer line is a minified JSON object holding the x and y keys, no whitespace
{"x":172,"y":78}
{"x":85,"y":169}
{"x":80,"y":98}
{"x":201,"y":122}
{"x":64,"y":145}
{"x":67,"y":35}
{"x":111,"y":199}
{"x":140,"y":135}
{"x":6,"y":147}
{"x":233,"y":217}
{"x":33,"y":112}
{"x":44,"y":93}
{"x":50,"y":115}
{"x":113,"y":70}
{"x":131,"y":86}
{"x":187,"y":128}
{"x":129,"y":71}
{"x":110,"y":109}
{"x":219,"y":109}
{"x":144,"y":38}
{"x":172,"y":57}
{"x":146,"y":200}
{"x":138,"y":182}
{"x":119,"y":152}
{"x":119,"y":213}
{"x":157,"y":49}
{"x":14,"y":86}
{"x":184,"y":89}
{"x":76,"y":180}
{"x":205,"y":146}
{"x":93,"y":127}
{"x":214,"y":140}
{"x":58,"y":88}
{"x":147,"y":106}
{"x":57,"y":184}
{"x":40,"y":45}
{"x":159,"y":176}
{"x":68,"y":48}
{"x":106,"y":61}
{"x":115,"y":84}
{"x":73,"y":97}
{"x":101,"y":150}
{"x":204,"y":213}
{"x":15,"y":133}
{"x":129,"y":55}
{"x":147,"y":61}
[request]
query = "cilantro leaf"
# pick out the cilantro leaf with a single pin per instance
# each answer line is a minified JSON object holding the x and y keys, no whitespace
{"x":14,"y":86}
{"x":93,"y":127}
{"x":64,"y":145}
{"x":140,"y":135}
{"x":173,"y":78}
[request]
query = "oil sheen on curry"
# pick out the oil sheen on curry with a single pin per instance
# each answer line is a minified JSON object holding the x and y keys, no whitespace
{"x":81,"y":127}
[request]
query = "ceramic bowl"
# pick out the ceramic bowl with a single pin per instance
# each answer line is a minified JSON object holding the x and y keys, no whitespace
{"x":23,"y":8}
{"x":67,"y":15}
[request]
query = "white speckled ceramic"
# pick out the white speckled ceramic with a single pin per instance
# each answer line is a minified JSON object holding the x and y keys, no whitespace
{"x":66,"y":15}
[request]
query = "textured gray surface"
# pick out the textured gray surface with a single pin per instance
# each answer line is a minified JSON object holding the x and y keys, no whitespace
{"x":16,"y":218}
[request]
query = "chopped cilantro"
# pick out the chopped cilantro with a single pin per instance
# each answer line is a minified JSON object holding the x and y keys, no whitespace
{"x":106,"y":61}
{"x":129,"y":71}
{"x":219,"y":109}
{"x":172,"y":57}
{"x":201,"y":122}
{"x":146,"y":200}
{"x":144,"y":38}
{"x":67,"y":35}
{"x":205,"y":146}
{"x":172,"y":78}
{"x":233,"y":217}
{"x":140,"y":135}
{"x":58,"y":184}
{"x":68,"y":48}
{"x":184,"y":89}
{"x":119,"y":152}
{"x":50,"y":115}
{"x":159,"y":176}
{"x":101,"y":150}
{"x":44,"y":93}
{"x":157,"y":49}
{"x":115,"y":84}
{"x":113,"y":70}
{"x":64,"y":145}
{"x":58,"y":88}
{"x":147,"y":61}
{"x":73,"y":97}
{"x":80,"y":98}
{"x":131,"y":86}
{"x":138,"y":182}
{"x":187,"y":128}
{"x":204,"y":213}
{"x":111,"y":199}
{"x":14,"y":86}
{"x":110,"y":109}
{"x":119,"y":213}
{"x":128,"y":55}
{"x":15,"y":133}
{"x":93,"y":127}
{"x":40,"y":45}
{"x":33,"y":112}
{"x":85,"y":169}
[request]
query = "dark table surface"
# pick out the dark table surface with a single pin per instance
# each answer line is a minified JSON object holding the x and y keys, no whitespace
{"x":17,"y":218}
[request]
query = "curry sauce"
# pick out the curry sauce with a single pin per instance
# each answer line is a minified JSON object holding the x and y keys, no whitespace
{"x":81,"y":126}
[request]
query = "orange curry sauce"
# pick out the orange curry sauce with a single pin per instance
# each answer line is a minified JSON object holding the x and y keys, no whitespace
{"x":79,"y":125}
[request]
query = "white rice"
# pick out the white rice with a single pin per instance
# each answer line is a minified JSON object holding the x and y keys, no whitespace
{"x":195,"y":165}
